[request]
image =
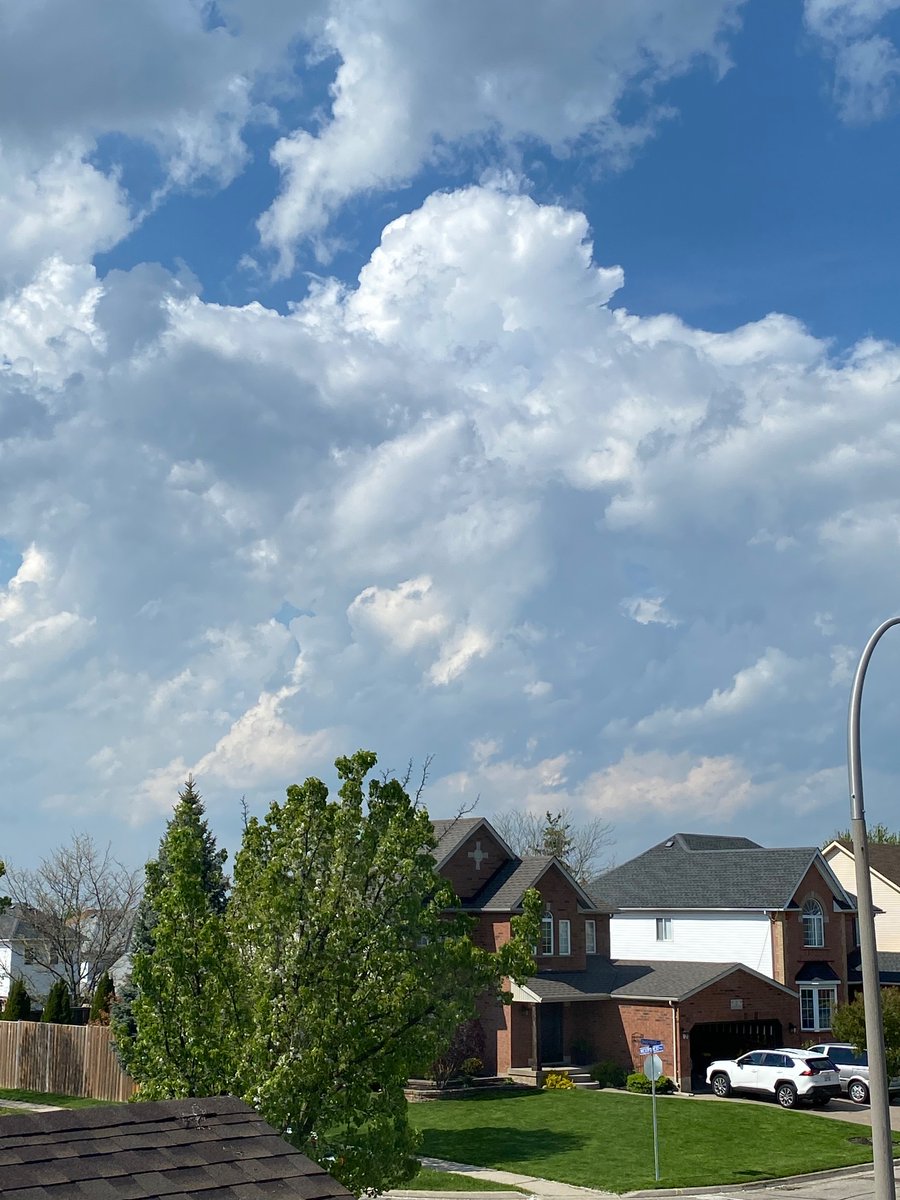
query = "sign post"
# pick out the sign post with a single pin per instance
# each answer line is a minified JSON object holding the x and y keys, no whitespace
{"x":651,"y":1051}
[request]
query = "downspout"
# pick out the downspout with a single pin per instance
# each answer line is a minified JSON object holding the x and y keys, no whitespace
{"x":676,"y":1048}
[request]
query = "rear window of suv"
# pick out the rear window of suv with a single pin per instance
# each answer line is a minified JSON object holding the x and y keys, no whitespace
{"x":820,"y":1064}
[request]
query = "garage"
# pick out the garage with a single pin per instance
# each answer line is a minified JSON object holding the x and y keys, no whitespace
{"x":728,"y":1039}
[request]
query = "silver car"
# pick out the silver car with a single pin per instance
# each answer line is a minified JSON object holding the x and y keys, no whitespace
{"x":853,"y":1068}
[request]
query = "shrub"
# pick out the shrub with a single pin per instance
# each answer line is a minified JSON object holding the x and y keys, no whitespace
{"x":58,"y":1008}
{"x":471,"y":1066}
{"x":18,"y":1003}
{"x":638,"y":1082}
{"x":558,"y":1081}
{"x":608,"y":1074}
{"x":467,"y":1043}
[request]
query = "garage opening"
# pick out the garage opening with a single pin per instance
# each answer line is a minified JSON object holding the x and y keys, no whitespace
{"x":728,"y":1039}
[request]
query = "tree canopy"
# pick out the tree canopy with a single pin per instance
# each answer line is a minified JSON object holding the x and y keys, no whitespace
{"x":340,"y":966}
{"x":878,"y":835}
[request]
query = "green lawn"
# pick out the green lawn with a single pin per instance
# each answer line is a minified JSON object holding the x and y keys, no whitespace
{"x":429,"y":1180}
{"x":48,"y":1098}
{"x":604,"y":1140}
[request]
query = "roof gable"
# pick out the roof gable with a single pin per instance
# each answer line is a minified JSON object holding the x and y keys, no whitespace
{"x":884,"y":860}
{"x":218,"y":1147}
{"x":674,"y":875}
{"x":451,"y":835}
{"x":505,"y":891}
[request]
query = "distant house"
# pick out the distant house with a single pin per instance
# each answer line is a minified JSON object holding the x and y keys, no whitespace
{"x":780,"y":912}
{"x":217,"y":1147}
{"x":586,"y":1003}
{"x":884,"y":872}
{"x":18,"y":942}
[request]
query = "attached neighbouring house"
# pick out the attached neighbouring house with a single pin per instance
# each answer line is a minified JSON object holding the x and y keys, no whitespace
{"x":782,"y":913}
{"x":586,"y":1004}
{"x":18,"y":942}
{"x":884,"y":872}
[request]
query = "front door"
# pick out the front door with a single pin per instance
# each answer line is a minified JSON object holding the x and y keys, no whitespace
{"x":551,"y":1033}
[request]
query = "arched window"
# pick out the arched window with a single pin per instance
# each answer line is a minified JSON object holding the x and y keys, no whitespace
{"x":813,"y":924}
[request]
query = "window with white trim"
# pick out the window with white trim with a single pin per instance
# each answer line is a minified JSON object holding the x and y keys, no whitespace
{"x":664,"y":929}
{"x":547,"y":933}
{"x":816,"y":1006}
{"x":813,"y":924}
{"x":590,"y":937}
{"x":565,"y":937}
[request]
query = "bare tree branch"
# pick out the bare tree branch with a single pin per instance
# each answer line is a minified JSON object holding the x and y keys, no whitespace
{"x":580,"y":846}
{"x":81,"y":904}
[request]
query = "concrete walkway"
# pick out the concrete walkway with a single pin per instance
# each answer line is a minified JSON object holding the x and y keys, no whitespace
{"x":26,"y":1106}
{"x":851,"y":1183}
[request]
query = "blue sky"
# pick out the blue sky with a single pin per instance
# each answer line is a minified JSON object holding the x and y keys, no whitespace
{"x":516,"y":384}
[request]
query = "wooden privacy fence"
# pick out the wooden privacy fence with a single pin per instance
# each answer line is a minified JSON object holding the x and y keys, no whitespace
{"x":73,"y":1060}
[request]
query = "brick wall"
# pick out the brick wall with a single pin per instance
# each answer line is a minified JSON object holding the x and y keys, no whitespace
{"x":466,"y":874}
{"x":838,"y":939}
{"x":562,"y":901}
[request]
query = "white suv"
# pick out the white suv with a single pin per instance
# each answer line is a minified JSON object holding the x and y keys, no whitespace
{"x":788,"y":1075}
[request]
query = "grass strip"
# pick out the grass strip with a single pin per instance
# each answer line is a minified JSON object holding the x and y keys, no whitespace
{"x":604,"y":1140}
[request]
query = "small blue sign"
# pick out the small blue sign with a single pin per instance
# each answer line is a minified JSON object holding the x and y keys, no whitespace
{"x":649,"y":1046}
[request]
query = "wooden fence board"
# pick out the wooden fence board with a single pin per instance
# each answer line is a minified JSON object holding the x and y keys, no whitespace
{"x":73,"y":1060}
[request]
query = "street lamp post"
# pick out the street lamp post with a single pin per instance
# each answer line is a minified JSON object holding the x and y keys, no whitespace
{"x":879,"y":1099}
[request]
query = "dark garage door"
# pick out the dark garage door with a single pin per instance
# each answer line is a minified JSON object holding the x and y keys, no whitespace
{"x":728,"y":1039}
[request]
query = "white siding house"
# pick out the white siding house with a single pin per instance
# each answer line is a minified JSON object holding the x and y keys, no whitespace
{"x":884,"y":869}
{"x":694,"y":936}
{"x":16,"y":960}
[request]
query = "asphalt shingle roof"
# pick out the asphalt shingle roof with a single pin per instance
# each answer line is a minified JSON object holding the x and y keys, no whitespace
{"x":884,"y":859}
{"x":451,"y":834}
{"x":15,"y":923}
{"x":676,"y":875}
{"x":888,"y":967}
{"x":214,"y":1149}
{"x":646,"y":980}
{"x":504,"y":891}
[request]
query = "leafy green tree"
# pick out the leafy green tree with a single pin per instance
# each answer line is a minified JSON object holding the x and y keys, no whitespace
{"x":101,"y":1002}
{"x":849,"y":1025}
{"x":18,"y":1003}
{"x":188,"y":813}
{"x":359,"y":967}
{"x":878,"y":835}
{"x":181,"y":1032}
{"x":58,"y":1008}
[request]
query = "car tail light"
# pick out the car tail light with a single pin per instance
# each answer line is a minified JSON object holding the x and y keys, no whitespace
{"x":809,"y":1071}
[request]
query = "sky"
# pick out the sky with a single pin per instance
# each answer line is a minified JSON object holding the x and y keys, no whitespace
{"x":512,"y":385}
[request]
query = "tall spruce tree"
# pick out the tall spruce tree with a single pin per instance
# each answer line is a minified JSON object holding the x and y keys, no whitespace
{"x":175,"y":1030}
{"x":188,"y":813}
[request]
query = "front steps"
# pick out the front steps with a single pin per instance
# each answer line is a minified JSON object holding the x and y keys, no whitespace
{"x":526,"y":1076}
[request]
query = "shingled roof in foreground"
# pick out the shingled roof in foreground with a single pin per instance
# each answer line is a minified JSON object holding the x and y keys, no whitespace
{"x":211,"y":1149}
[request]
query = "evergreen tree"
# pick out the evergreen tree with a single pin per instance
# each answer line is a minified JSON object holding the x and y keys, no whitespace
{"x":187,"y":814}
{"x":18,"y":1003}
{"x":58,"y":1009}
{"x":4,"y":900}
{"x":102,"y":1000}
{"x":176,"y":1033}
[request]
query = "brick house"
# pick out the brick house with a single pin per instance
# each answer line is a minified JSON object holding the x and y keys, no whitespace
{"x":781,"y":912}
{"x":884,"y":872}
{"x":584,"y":1004}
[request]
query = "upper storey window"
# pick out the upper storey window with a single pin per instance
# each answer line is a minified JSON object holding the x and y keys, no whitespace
{"x":813,"y":924}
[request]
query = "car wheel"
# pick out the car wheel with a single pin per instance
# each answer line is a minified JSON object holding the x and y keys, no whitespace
{"x":721,"y":1084}
{"x":858,"y":1092}
{"x":786,"y":1095}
